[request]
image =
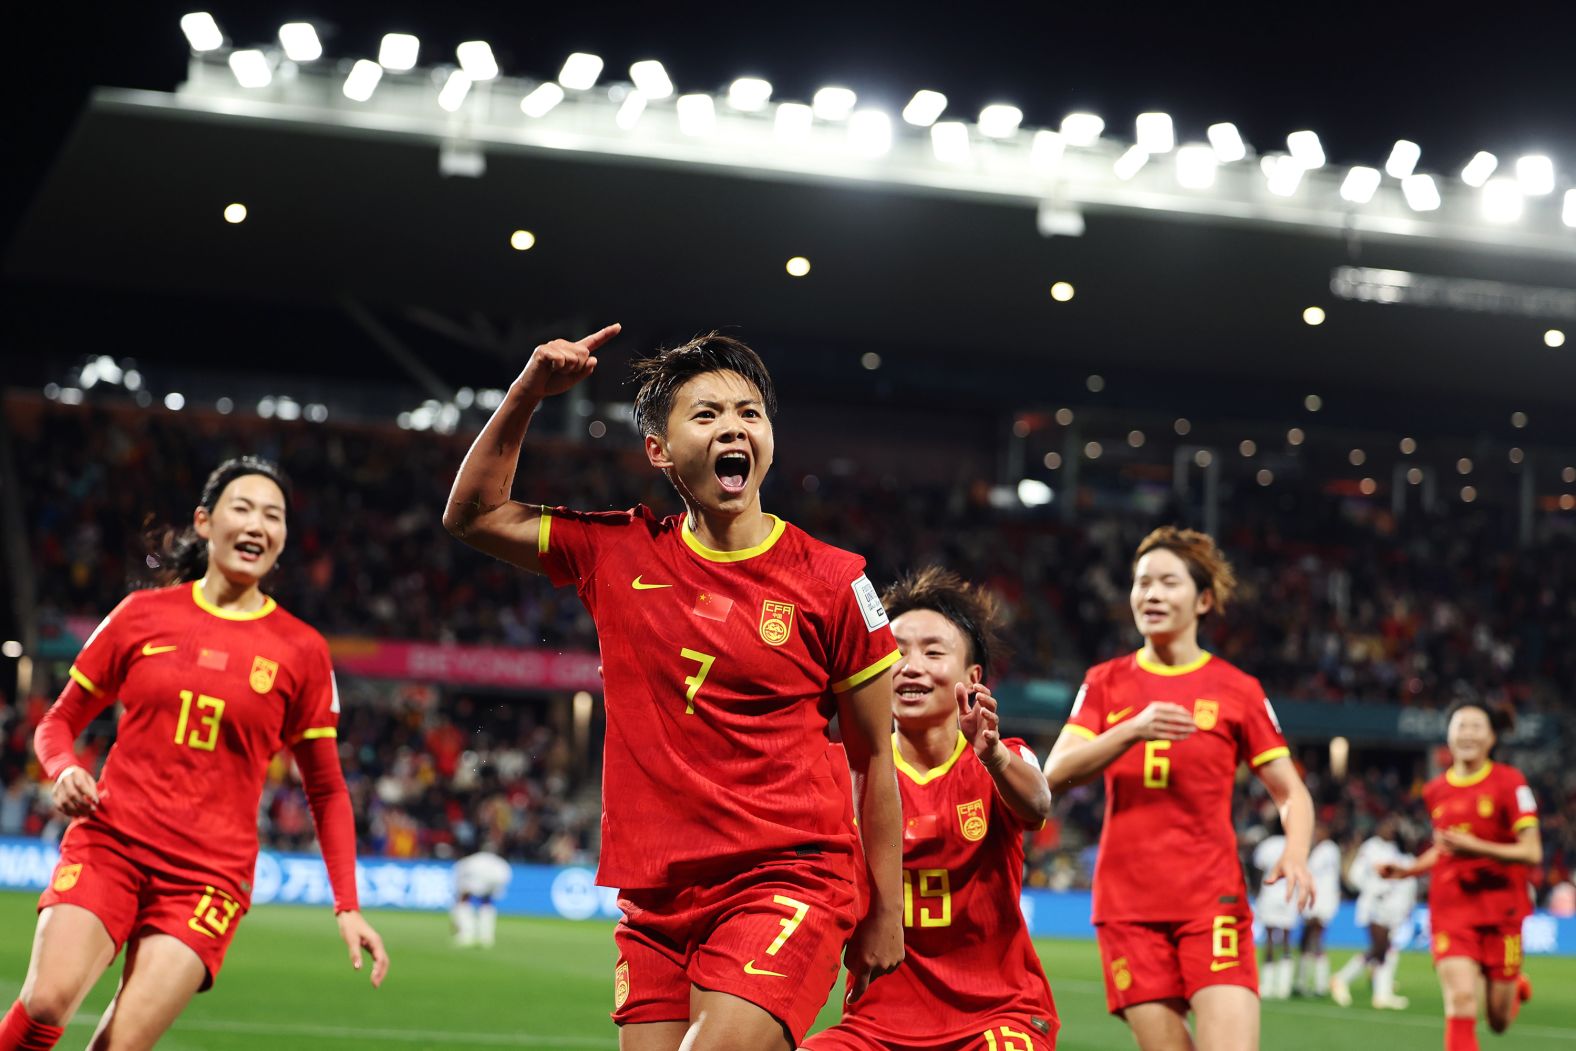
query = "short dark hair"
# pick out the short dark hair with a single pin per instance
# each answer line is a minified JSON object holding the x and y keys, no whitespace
{"x":972,"y":610}
{"x":1501,"y":717}
{"x":662,"y":374}
{"x":182,"y":557}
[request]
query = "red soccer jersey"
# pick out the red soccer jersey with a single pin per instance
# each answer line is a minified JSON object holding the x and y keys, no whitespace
{"x":1167,"y":849}
{"x":962,"y":879}
{"x":720,"y":669}
{"x":209,"y":696}
{"x":1494,"y":804}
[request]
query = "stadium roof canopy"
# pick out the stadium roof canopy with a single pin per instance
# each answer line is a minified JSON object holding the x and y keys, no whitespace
{"x":937,"y":240}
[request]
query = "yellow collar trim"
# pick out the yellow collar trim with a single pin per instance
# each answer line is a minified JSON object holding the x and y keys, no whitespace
{"x":711,"y":555}
{"x":930,"y":775}
{"x":268,"y":606}
{"x":1154,"y":667}
{"x":1471,"y":779}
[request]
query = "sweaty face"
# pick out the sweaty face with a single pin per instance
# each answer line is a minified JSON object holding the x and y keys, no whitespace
{"x":935,"y":657}
{"x":1470,"y":735}
{"x":1165,"y":601}
{"x":246,"y":529}
{"x":719,"y":442}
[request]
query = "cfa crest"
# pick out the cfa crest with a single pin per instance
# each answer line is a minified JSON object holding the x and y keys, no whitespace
{"x":66,"y":877}
{"x":620,"y":985}
{"x":1120,"y":975}
{"x":1485,"y":806}
{"x":1206,"y":714}
{"x":263,"y":673}
{"x":776,"y":622}
{"x":971,"y":819}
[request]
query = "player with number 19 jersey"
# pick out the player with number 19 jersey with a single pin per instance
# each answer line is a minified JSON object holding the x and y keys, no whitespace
{"x":1168,"y":851}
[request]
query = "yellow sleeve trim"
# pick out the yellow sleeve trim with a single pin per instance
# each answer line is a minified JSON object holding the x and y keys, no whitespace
{"x":1079,"y":731}
{"x":317,"y":732}
{"x":544,"y":526}
{"x":85,"y":682}
{"x":1270,"y":755}
{"x":1526,"y":822}
{"x":862,"y":677}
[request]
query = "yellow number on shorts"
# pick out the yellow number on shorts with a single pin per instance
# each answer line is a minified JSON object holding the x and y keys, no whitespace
{"x":1157,"y":767}
{"x":211,"y":721}
{"x":694,"y":681}
{"x":1224,"y":943}
{"x":790,"y":923}
{"x":1011,"y":1040}
{"x":934,"y":884}
{"x":1512,"y":952}
{"x":210,"y":917}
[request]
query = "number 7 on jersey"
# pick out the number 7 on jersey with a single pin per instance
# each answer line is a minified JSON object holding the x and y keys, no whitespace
{"x":694,"y":681}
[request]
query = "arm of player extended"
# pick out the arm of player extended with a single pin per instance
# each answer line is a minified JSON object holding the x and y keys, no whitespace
{"x":55,"y":740}
{"x":865,"y":716}
{"x":1424,"y":862}
{"x":1076,"y":759}
{"x":480,"y":511}
{"x":1021,"y":785}
{"x":1526,"y":850}
{"x":329,"y":799}
{"x":1291,"y":798}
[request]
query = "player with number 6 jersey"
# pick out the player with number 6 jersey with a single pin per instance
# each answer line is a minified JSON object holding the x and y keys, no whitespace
{"x":1168,"y":726}
{"x":728,"y":639}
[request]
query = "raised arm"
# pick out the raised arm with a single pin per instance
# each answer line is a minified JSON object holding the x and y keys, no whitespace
{"x":480,"y":511}
{"x":1078,"y":757}
{"x":865,"y":716}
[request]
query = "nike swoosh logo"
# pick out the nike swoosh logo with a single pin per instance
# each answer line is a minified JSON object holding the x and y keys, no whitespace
{"x":1116,"y":717}
{"x":750,"y":968}
{"x":638,"y":586}
{"x":1216,"y":965}
{"x":150,"y":650}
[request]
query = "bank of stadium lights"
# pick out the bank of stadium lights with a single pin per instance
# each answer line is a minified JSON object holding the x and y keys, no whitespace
{"x":870,"y":133}
{"x":949,"y":141}
{"x":362,"y":80}
{"x":1360,"y":184}
{"x":300,"y":41}
{"x":1082,"y":129}
{"x":833,"y":103}
{"x":749,"y":94}
{"x":1421,"y":194}
{"x":455,"y":88}
{"x":925,"y":108}
{"x":202,"y":32}
{"x":697,"y":115}
{"x":1000,"y":121}
{"x":476,"y":60}
{"x":398,"y":52}
{"x":792,"y":123}
{"x":1196,"y":166}
{"x":580,"y":71}
{"x":1306,"y":149}
{"x":651,"y":79}
{"x":1477,"y":170}
{"x":251,"y":68}
{"x":542,"y":99}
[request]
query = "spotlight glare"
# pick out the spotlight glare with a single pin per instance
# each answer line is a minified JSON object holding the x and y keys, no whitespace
{"x":1045,"y":154}
{"x":792,"y":123}
{"x":300,"y":42}
{"x":362,"y":80}
{"x":697,"y":114}
{"x":1196,"y":166}
{"x":1403,"y":159}
{"x":251,"y":68}
{"x":1000,"y":121}
{"x":1082,"y":129}
{"x":476,"y":59}
{"x":1535,"y":173}
{"x":1502,"y":200}
{"x":542,"y":99}
{"x":1306,"y":148}
{"x":1155,"y":133}
{"x":949,"y":140}
{"x":870,"y":132}
{"x":452,"y":97}
{"x":1360,"y":184}
{"x":925,"y":108}
{"x":1420,"y":192}
{"x":1227,"y":142}
{"x":833,"y":103}
{"x":749,"y":94}
{"x":202,"y":32}
{"x":398,"y":52}
{"x":580,"y":71}
{"x":651,"y":79}
{"x":1479,"y":168}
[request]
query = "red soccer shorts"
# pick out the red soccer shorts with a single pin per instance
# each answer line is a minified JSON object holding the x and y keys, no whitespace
{"x":95,"y":873}
{"x":1009,"y":1031}
{"x":1496,"y":949}
{"x":773,"y":936}
{"x":1172,"y":961}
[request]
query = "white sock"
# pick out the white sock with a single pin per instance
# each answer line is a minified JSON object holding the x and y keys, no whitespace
{"x":1352,"y":968}
{"x":464,"y":916}
{"x":487,"y":924}
{"x":1321,"y":974}
{"x":1384,"y":976}
{"x":1287,"y":972}
{"x":1301,"y":980}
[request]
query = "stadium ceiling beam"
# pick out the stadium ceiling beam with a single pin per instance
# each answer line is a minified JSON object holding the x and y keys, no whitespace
{"x":1062,"y":174}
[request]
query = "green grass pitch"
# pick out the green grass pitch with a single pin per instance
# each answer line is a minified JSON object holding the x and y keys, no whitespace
{"x":548,"y":984}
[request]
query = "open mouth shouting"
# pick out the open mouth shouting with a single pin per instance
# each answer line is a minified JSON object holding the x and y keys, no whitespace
{"x":733,"y":471}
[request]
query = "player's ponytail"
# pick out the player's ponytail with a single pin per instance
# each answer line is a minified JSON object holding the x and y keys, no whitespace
{"x":182,"y":557}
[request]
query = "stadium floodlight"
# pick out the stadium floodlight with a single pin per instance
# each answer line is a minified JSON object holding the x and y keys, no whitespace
{"x":870,"y":132}
{"x":1503,"y":200}
{"x":1196,"y":166}
{"x":629,"y":111}
{"x":792,"y":123}
{"x":949,"y":140}
{"x":363,"y":80}
{"x":1306,"y":148}
{"x":476,"y":59}
{"x":1568,"y":212}
{"x":1535,"y":173}
{"x":697,"y":114}
{"x":1000,"y":121}
{"x":202,"y":32}
{"x":1479,"y":168}
{"x":1045,"y":153}
{"x":1034,"y":493}
{"x":175,"y":401}
{"x":1360,"y":184}
{"x":398,"y":52}
{"x":1082,"y":129}
{"x":251,"y":68}
{"x":542,"y":99}
{"x":300,"y":42}
{"x":1129,"y":163}
{"x":1227,"y":142}
{"x":1155,"y":133}
{"x":749,"y":94}
{"x":580,"y":71}
{"x":1420,"y":192}
{"x":1403,"y":159}
{"x":651,"y":79}
{"x":1283,"y":174}
{"x":833,"y":103}
{"x":452,"y":97}
{"x":925,"y":108}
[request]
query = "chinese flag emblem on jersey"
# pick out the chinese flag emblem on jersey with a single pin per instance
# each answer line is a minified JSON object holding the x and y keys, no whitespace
{"x":263,"y":672}
{"x":776,"y":622}
{"x":66,"y":877}
{"x":1485,"y":806}
{"x":971,"y":818}
{"x":1206,"y":714}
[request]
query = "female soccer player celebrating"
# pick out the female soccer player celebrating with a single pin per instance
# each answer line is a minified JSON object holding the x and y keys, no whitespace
{"x":724,"y":634}
{"x":1486,"y":834}
{"x":967,"y":798}
{"x":1169,"y":725}
{"x":214,"y":678}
